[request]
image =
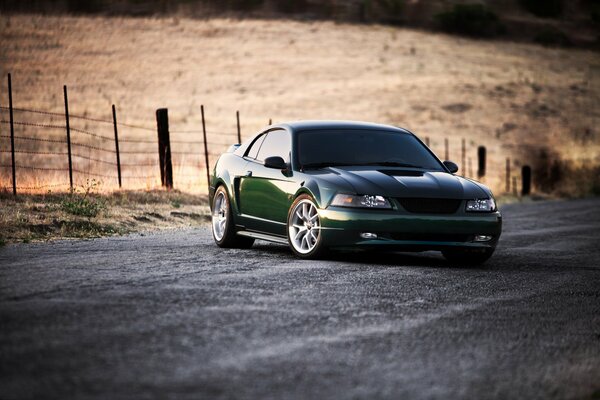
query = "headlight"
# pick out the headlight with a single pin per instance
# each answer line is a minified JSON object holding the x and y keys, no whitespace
{"x":481,"y":205}
{"x":366,"y":201}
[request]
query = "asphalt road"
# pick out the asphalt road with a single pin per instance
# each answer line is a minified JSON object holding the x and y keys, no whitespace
{"x":169,"y":315}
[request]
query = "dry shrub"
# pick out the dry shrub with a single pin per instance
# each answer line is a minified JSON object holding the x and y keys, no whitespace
{"x":564,"y":178}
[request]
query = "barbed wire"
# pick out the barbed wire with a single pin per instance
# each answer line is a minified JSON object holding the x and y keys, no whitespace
{"x":94,"y":174}
{"x":89,"y":133}
{"x":150,"y":164}
{"x":38,"y":187}
{"x":35,"y":139}
{"x":34,"y":168}
{"x":140,"y":177}
{"x":88,"y":146}
{"x":47,"y":126}
{"x":77,"y":116}
{"x":33,"y":111}
{"x":137,"y":152}
{"x":94,"y":159}
{"x":136,"y":141}
{"x":144,"y":128}
{"x":46,"y":153}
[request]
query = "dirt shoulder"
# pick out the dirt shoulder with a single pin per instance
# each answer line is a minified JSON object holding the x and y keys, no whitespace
{"x":52,"y":216}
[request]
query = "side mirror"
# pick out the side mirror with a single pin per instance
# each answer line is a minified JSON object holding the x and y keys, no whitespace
{"x":275,"y":162}
{"x":452,"y":167}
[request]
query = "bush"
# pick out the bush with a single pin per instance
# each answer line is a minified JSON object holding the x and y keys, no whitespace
{"x":543,"y":8}
{"x":292,"y":7}
{"x":80,"y":202}
{"x":552,"y":37}
{"x":474,"y":20}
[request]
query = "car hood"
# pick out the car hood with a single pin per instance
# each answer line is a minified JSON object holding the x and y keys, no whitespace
{"x":402,"y":182}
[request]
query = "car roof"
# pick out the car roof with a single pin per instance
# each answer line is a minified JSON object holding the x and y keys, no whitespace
{"x":314,"y":125}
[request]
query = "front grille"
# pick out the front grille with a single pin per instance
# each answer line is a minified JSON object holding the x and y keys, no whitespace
{"x":431,"y":237}
{"x":430,"y":206}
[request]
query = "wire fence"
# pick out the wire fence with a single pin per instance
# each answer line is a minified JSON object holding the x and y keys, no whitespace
{"x":46,"y":150}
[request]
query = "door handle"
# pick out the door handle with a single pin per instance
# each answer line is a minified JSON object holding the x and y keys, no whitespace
{"x":248,"y":173}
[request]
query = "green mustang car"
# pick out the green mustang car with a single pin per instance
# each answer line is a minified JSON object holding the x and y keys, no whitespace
{"x":320,"y":185}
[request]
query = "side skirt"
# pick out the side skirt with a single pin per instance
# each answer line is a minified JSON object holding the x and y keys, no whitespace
{"x":263,"y":236}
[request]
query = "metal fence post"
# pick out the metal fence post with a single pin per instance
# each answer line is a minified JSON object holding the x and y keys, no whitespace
{"x":239,"y":132}
{"x":114,"y":114}
{"x":164,"y":148}
{"x":12,"y":136}
{"x":525,"y":180}
{"x":68,"y":138}
{"x":205,"y":148}
{"x":481,"y":155}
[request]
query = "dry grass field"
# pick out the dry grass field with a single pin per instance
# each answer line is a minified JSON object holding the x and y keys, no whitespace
{"x":520,"y":100}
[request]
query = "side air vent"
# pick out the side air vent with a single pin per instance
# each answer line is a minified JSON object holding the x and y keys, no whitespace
{"x":430,"y":206}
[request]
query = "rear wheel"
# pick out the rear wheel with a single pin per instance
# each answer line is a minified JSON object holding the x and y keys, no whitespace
{"x":304,"y":228}
{"x":223,"y":226}
{"x":467,"y":256}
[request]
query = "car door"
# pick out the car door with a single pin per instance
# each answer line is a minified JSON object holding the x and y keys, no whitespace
{"x":266,"y":193}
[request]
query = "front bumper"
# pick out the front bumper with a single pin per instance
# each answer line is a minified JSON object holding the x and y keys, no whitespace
{"x":341,"y":228}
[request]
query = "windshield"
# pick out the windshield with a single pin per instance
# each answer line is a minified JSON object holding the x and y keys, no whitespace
{"x":320,"y":148}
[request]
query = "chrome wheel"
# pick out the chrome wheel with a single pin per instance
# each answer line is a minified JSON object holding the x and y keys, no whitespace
{"x":304,"y":227}
{"x":219,"y":215}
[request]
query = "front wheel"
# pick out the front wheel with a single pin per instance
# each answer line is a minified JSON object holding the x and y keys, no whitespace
{"x":223,"y":226}
{"x":467,"y":256}
{"x":304,"y":228}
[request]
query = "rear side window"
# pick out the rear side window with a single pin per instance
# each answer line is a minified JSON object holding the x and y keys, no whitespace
{"x":253,"y":151}
{"x":277,"y":143}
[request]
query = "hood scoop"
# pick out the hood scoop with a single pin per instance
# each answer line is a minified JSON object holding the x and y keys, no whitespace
{"x":399,"y":172}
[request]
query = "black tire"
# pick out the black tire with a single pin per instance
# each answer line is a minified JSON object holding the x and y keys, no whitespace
{"x":319,"y":250}
{"x":226,"y":237}
{"x":467,"y":256}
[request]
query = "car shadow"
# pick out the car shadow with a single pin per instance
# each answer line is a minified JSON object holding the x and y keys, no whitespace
{"x":431,"y":259}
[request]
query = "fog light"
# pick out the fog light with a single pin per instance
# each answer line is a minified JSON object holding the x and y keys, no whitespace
{"x":368,"y":235}
{"x":482,"y":238}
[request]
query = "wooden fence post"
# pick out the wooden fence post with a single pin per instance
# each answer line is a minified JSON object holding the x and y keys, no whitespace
{"x":12,"y":136}
{"x":68,"y":138}
{"x":446,"y":150}
{"x":481,"y":155}
{"x":270,"y":122}
{"x":525,"y":180}
{"x":427,"y":141}
{"x":470,"y":168}
{"x":507,"y":175}
{"x":239,"y":132}
{"x":164,"y":148}
{"x":205,"y":148}
{"x":463,"y":156}
{"x":114,"y":114}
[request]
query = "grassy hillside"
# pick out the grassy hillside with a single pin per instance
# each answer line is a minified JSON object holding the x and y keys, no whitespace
{"x":532,"y":104}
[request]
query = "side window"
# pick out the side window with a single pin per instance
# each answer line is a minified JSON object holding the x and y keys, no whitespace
{"x":277,"y":143}
{"x":253,"y":151}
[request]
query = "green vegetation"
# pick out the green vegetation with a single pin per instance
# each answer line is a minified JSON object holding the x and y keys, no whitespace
{"x":82,"y":203}
{"x":474,"y":20}
{"x":543,"y":8}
